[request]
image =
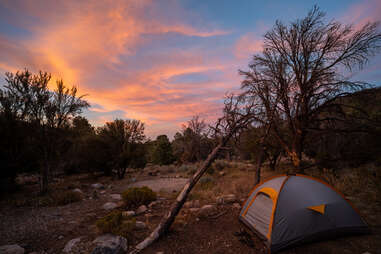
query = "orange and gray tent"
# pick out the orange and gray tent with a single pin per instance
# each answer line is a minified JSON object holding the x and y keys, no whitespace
{"x":288,"y":210}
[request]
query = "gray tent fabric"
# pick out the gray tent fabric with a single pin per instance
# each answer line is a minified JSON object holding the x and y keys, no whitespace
{"x":275,"y":183}
{"x":295,"y":218}
{"x":259,"y":214}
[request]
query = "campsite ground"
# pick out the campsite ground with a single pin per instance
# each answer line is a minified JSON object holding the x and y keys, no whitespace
{"x":50,"y":228}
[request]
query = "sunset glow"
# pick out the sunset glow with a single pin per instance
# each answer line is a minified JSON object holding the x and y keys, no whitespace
{"x":161,"y":62}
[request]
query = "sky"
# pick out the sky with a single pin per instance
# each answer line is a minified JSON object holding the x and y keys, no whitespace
{"x":158,"y":61}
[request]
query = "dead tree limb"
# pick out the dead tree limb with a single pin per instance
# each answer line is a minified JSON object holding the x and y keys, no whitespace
{"x":236,"y":117}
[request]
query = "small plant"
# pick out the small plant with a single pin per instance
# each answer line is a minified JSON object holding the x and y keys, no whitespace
{"x":206,"y":182}
{"x":219,"y":165}
{"x":134,"y":197}
{"x":116,"y":224}
{"x":184,"y":168}
{"x":66,"y":197}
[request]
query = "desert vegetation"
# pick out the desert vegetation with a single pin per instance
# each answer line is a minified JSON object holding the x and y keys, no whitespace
{"x":296,"y":112}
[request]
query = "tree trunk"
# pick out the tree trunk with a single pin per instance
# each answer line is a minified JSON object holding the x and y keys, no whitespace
{"x":262,"y":155}
{"x":274,"y":160}
{"x":168,"y":219}
{"x":44,"y":178}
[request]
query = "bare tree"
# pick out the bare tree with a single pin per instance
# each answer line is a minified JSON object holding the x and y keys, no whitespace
{"x":237,"y":116}
{"x":299,"y":74}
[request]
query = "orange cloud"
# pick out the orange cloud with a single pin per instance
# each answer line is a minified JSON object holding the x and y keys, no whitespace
{"x":90,"y":44}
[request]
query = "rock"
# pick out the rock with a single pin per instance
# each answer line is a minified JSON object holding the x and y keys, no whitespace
{"x":196,"y":204}
{"x":110,"y":244}
{"x":128,"y":213}
{"x":69,"y":246}
{"x":160,"y":252}
{"x":140,"y":225}
{"x":60,"y":237}
{"x":97,"y":186}
{"x":221,"y":173}
{"x":194,"y":210}
{"x":141,"y":209}
{"x":110,"y":206}
{"x":367,"y":252}
{"x":11,"y":249}
{"x":154,"y":204}
{"x":207,"y":210}
{"x":192,"y":204}
{"x":188,"y":204}
{"x":177,"y":176}
{"x":78,"y":190}
{"x":237,"y":205}
{"x":226,"y":199}
{"x":116,"y":196}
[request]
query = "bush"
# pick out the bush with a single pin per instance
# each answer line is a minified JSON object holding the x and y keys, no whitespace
{"x":134,"y":197}
{"x":66,"y":197}
{"x":116,"y":224}
{"x":206,"y":182}
{"x":219,"y":165}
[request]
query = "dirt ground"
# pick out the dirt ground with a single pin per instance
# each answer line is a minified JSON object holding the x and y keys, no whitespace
{"x":48,"y":229}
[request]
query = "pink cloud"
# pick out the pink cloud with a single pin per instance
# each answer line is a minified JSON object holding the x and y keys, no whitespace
{"x":247,"y":45}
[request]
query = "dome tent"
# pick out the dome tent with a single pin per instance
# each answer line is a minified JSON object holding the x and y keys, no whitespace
{"x":287,"y":210}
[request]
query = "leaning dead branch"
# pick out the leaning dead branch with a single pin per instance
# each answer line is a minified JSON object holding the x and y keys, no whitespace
{"x":237,"y":116}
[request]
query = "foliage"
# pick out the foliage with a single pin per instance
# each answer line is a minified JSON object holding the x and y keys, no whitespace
{"x":192,"y":144}
{"x":134,"y":197}
{"x":123,"y":139}
{"x":207,"y":182}
{"x":66,"y":197}
{"x":27,"y":98}
{"x":162,"y":151}
{"x":219,"y":165}
{"x":116,"y":224}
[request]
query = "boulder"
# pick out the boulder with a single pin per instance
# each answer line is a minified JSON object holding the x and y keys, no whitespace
{"x":69,"y":246}
{"x":221,"y":173}
{"x":196,"y":204}
{"x":140,"y":225}
{"x":192,"y":204}
{"x":154,"y":204}
{"x":110,"y":206}
{"x":226,"y":199}
{"x":141,"y":209}
{"x":78,"y":190}
{"x":128,"y":213}
{"x":116,"y":196}
{"x":194,"y":210}
{"x":110,"y":244}
{"x":207,"y":210}
{"x":97,"y":186}
{"x":11,"y":249}
{"x":188,"y":204}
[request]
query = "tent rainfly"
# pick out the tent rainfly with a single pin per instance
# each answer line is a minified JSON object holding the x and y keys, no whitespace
{"x":287,"y":210}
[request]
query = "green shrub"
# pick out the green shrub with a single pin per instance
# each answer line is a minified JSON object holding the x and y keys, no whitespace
{"x":192,"y":172}
{"x":116,"y":224}
{"x":219,"y":165}
{"x":206,"y":182}
{"x":134,"y":197}
{"x":184,"y":168}
{"x":66,"y":197}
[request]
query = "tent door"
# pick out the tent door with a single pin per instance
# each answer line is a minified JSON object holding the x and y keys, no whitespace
{"x":260,"y":212}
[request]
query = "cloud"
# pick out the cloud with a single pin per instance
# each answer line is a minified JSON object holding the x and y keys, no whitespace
{"x":361,"y":13}
{"x":105,"y":47}
{"x":247,"y":45}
